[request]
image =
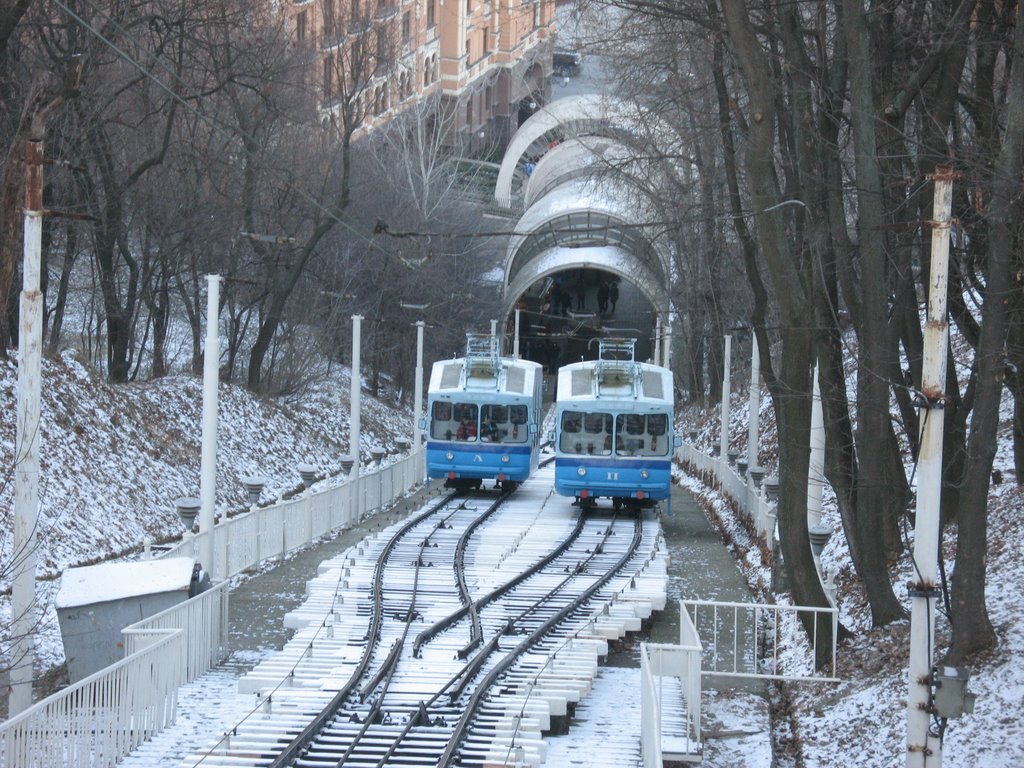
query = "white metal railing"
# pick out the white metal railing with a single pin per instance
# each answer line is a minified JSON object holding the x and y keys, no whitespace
{"x":670,"y":679}
{"x":745,"y":640}
{"x":716,"y":472}
{"x":203,"y":620}
{"x":97,"y":721}
{"x":246,"y":540}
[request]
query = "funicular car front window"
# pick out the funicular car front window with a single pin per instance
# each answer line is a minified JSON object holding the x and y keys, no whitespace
{"x":442,"y":422}
{"x":466,"y":418}
{"x":586,"y":433}
{"x":640,"y":434}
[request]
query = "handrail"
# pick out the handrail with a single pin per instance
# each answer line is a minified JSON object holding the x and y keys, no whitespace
{"x":742,"y":491}
{"x":658,"y":663}
{"x":97,"y":721}
{"x":248,"y":539}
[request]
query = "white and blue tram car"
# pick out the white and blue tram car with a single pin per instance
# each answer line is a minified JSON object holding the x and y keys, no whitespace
{"x":483,"y":415}
{"x":613,"y":436}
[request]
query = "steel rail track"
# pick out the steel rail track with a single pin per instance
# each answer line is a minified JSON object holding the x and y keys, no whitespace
{"x":291,"y":751}
{"x":453,"y":618}
{"x":456,"y":685}
{"x":382,"y":703}
{"x":483,"y":688}
{"x":465,"y":676}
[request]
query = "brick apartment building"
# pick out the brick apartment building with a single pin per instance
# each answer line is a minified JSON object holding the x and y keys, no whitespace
{"x":488,"y":60}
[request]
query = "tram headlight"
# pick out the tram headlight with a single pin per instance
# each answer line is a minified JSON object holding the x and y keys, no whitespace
{"x":450,"y":456}
{"x":504,"y":459}
{"x":644,"y":474}
{"x":581,"y":471}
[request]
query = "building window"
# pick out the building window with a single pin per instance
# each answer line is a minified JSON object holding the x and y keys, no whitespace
{"x":536,"y":15}
{"x":430,"y":14}
{"x":328,"y":75}
{"x":329,"y":17}
{"x":382,"y":48}
{"x":469,"y":49}
{"x":355,"y":9}
{"x":300,"y":28}
{"x":406,"y":26}
{"x":469,"y":112}
{"x":469,"y":8}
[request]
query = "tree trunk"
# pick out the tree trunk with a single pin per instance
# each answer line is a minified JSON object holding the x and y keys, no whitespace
{"x":972,"y":628}
{"x":873,"y":496}
{"x":791,"y":393}
{"x":57,"y":316}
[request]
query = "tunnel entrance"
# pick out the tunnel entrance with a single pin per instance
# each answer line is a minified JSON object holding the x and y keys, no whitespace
{"x":561,"y":315}
{"x":581,"y":262}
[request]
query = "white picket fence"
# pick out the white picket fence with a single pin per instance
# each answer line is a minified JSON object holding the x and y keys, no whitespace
{"x":716,"y":473}
{"x":248,"y":539}
{"x":97,"y":721}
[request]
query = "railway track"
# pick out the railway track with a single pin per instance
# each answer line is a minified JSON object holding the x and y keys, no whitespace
{"x":455,"y":638}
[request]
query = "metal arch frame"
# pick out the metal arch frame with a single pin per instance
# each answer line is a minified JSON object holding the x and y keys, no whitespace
{"x":580,"y":197}
{"x":608,"y":258}
{"x":572,"y":159}
{"x":564,"y":187}
{"x":614,"y":114}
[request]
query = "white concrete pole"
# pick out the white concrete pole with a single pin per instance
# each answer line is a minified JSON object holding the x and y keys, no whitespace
{"x":515,"y":340}
{"x":723,"y":450}
{"x":208,"y":459}
{"x":495,"y":349}
{"x":26,"y":441}
{"x":754,"y":410}
{"x":656,"y":357}
{"x":417,"y":433}
{"x":816,"y":470}
{"x":354,"y":397}
{"x":923,"y":748}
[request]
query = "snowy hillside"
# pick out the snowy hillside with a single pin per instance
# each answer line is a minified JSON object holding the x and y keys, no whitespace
{"x":114,"y":458}
{"x":862,"y":720}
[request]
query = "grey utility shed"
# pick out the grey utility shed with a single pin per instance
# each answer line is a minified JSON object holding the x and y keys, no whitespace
{"x":96,"y":602}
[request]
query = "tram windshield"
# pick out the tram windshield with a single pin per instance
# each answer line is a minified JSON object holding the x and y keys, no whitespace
{"x":503,"y":423}
{"x":454,"y":421}
{"x":586,"y":433}
{"x":635,"y":434}
{"x":490,"y":423}
{"x":641,"y":434}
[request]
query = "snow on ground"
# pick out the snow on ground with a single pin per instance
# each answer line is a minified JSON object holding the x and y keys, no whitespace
{"x":863,"y":718}
{"x":114,"y":458}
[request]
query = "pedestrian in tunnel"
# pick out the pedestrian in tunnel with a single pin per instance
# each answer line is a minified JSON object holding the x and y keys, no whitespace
{"x":581,"y":293}
{"x":613,"y":293}
{"x":565,"y":300}
{"x":602,"y":297}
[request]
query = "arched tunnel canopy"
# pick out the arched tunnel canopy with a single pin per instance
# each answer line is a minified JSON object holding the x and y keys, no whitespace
{"x":574,"y":116}
{"x":576,"y":216}
{"x":609,"y":258}
{"x":582,"y":211}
